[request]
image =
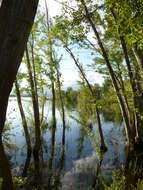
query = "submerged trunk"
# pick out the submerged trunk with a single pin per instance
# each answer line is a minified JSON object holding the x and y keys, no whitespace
{"x":53,"y":106}
{"x":42,"y":108}
{"x":50,"y":161}
{"x":27,"y":164}
{"x":103,"y":146}
{"x":35,"y":106}
{"x":24,"y":122}
{"x":111,"y":72}
{"x":62,"y":107}
{"x":16,"y":19}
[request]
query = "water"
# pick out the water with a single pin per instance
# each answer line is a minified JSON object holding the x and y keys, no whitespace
{"x":75,"y":167}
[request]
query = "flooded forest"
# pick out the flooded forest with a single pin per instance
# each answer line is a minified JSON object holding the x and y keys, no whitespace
{"x":71,"y":95}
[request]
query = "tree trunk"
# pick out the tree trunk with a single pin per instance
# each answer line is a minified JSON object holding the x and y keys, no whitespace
{"x":139,"y":56}
{"x":34,"y":71}
{"x":103,"y":146}
{"x":27,"y":164}
{"x":16,"y":19}
{"x":111,"y":72}
{"x":5,"y":173}
{"x":62,"y":107}
{"x":137,"y":129}
{"x":35,"y":106}
{"x":51,"y":62}
{"x":125,"y":99}
{"x":53,"y":105}
{"x":24,"y":122}
{"x":42,"y":107}
{"x":138,"y":111}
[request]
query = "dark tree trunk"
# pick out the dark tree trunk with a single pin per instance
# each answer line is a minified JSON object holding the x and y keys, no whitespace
{"x":42,"y":108}
{"x":27,"y":164}
{"x":137,"y":101}
{"x":50,"y":161}
{"x":16,"y":19}
{"x":35,"y":106}
{"x":34,"y":71}
{"x":123,"y":91}
{"x":5,"y":173}
{"x":51,"y":62}
{"x":53,"y":105}
{"x":111,"y":72}
{"x":137,"y":129}
{"x":24,"y":122}
{"x":62,"y":107}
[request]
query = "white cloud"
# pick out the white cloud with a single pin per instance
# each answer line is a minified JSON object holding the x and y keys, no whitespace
{"x":54,"y":7}
{"x":69,"y":72}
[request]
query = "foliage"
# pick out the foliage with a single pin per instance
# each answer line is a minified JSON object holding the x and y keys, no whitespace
{"x":119,"y":183}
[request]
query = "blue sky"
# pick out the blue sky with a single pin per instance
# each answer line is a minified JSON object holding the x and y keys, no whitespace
{"x":69,"y":72}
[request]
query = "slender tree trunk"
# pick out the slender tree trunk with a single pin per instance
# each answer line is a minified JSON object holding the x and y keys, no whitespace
{"x":50,"y":53}
{"x":137,"y":130}
{"x":62,"y":107}
{"x":42,"y":107}
{"x":103,"y":146}
{"x":125,"y":99}
{"x":136,"y":99}
{"x":27,"y":164}
{"x":16,"y":19}
{"x":53,"y":105}
{"x":37,"y":171}
{"x":24,"y":122}
{"x":139,"y":56}
{"x":34,"y":71}
{"x":35,"y":106}
{"x":111,"y":72}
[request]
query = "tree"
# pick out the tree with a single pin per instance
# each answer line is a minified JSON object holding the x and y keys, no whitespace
{"x":23,"y":117}
{"x":16,"y":19}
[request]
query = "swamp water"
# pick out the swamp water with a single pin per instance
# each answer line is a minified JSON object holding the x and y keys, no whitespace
{"x":73,"y":166}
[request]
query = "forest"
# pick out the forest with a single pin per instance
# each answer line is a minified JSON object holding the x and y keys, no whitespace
{"x":71,"y":95}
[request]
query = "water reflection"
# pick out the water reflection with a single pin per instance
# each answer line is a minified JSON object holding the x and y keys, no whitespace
{"x":80,"y":141}
{"x":68,"y":159}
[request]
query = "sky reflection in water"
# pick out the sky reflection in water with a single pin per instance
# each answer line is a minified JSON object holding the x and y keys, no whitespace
{"x":73,"y":167}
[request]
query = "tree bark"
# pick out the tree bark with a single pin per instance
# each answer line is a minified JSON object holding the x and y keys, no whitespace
{"x":24,"y":122}
{"x":137,"y":129}
{"x":139,"y":56}
{"x":51,"y":62}
{"x":5,"y":173}
{"x":35,"y":106}
{"x":62,"y":106}
{"x":53,"y":105}
{"x":111,"y":72}
{"x":16,"y":19}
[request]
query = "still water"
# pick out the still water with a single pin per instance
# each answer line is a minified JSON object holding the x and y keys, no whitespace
{"x":71,"y":168}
